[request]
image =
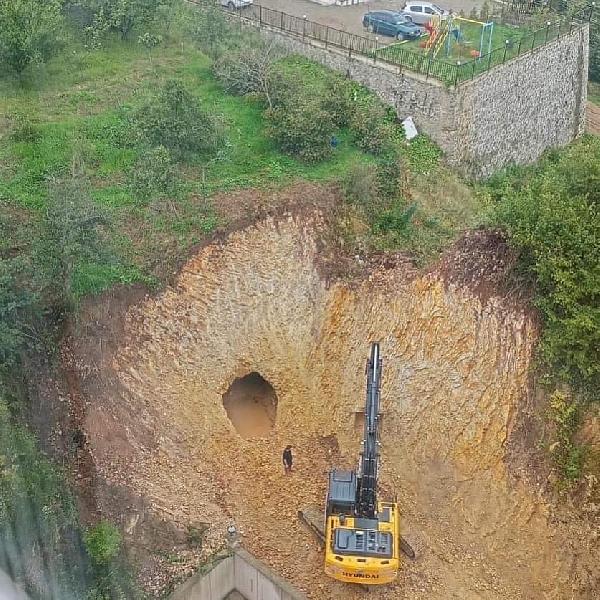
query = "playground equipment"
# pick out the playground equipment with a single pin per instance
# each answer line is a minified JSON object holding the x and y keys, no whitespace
{"x":448,"y":33}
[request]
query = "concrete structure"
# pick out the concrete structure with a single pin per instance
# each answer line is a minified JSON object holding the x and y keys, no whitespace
{"x":237,"y":576}
{"x":508,"y":115}
{"x":9,"y":590}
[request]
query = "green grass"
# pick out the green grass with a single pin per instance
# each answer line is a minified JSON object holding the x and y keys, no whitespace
{"x":74,"y":113}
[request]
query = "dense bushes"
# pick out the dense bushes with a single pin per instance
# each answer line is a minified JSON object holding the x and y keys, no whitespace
{"x":174,"y":119}
{"x":154,"y":174}
{"x":98,"y":17}
{"x":30,"y":32}
{"x":301,"y":128}
{"x":552,"y":214}
{"x":307,"y":105}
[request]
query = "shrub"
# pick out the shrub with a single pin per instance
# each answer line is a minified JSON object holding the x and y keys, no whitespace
{"x":74,"y":232}
{"x":389,"y":176}
{"x":372,"y":128}
{"x":360,"y":185}
{"x":339,"y":100}
{"x":552,"y":216}
{"x":121,"y":16}
{"x":210,"y":29}
{"x":395,"y":220}
{"x":103,"y":543}
{"x":149,"y":40}
{"x":154,"y":174}
{"x":175,"y":120}
{"x":423,"y":155}
{"x":301,"y":128}
{"x":17,"y":306}
{"x":26,"y":129}
{"x":24,"y":39}
{"x":250,"y":70}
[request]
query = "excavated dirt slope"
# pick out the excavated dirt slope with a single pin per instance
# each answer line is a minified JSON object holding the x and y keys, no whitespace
{"x":455,"y":375}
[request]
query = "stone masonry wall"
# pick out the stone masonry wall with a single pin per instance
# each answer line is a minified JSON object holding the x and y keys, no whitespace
{"x":510,"y":114}
{"x":536,"y":101}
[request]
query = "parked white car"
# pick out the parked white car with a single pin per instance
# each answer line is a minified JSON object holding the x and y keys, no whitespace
{"x":233,"y":4}
{"x":422,"y":12}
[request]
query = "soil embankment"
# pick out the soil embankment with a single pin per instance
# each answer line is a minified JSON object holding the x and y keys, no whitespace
{"x":456,"y":369}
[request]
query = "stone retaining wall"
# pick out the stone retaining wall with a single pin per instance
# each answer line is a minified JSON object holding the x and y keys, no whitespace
{"x":508,"y":115}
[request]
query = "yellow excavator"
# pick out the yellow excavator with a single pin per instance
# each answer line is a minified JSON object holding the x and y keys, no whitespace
{"x":361,"y":534}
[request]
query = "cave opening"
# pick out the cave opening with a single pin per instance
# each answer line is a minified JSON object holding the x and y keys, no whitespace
{"x":251,"y":405}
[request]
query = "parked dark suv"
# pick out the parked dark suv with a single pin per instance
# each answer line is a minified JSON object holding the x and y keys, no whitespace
{"x":388,"y":22}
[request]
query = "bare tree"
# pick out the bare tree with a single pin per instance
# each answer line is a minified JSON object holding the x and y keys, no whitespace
{"x":249,"y":70}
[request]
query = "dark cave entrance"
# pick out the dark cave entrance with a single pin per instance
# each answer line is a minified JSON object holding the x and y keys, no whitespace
{"x":251,"y":405}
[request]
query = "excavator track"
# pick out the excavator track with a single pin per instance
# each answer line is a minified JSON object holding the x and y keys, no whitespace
{"x":315,"y":521}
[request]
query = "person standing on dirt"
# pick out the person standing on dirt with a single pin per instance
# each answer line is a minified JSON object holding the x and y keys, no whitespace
{"x":287,"y":460}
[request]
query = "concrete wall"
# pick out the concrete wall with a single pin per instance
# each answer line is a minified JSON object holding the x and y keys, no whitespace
{"x":214,"y":585}
{"x":510,"y":114}
{"x":257,"y":582}
{"x":241,"y":572}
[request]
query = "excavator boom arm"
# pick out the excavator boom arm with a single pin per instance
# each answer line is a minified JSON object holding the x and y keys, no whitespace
{"x":367,"y":486}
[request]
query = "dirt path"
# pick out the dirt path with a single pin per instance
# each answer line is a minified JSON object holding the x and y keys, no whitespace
{"x":455,"y":375}
{"x":593,"y":118}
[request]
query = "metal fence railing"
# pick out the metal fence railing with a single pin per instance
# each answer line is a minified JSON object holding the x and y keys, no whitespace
{"x":450,"y":73}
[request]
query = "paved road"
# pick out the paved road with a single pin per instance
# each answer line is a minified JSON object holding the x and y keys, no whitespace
{"x":349,"y":18}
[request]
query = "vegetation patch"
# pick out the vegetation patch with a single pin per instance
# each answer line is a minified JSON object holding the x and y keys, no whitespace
{"x":551,"y":213}
{"x":563,"y":415}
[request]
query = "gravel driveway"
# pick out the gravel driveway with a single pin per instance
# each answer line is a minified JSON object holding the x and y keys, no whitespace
{"x":349,"y":18}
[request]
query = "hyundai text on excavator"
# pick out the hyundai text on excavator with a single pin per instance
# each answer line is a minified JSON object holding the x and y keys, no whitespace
{"x":361,"y":536}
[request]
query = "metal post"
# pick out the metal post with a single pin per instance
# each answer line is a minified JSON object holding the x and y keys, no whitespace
{"x":326,"y":35}
{"x":428,"y":67}
{"x":303,"y":27}
{"x":281,"y":27}
{"x":376,"y":49}
{"x":533,"y":41}
{"x":489,"y":60}
{"x":456,"y":73}
{"x":473,"y":69}
{"x":547,"y":30}
{"x":519,"y":48}
{"x":505,"y":50}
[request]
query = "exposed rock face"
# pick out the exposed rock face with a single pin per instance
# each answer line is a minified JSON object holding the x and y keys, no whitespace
{"x":455,"y":373}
